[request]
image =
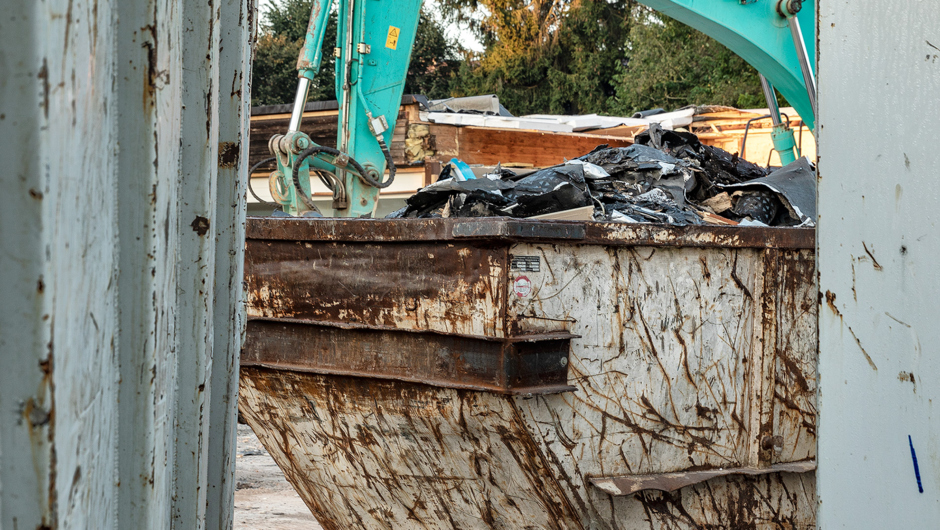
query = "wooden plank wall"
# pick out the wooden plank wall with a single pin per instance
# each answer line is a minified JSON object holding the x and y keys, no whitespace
{"x":321,"y":126}
{"x":416,"y":143}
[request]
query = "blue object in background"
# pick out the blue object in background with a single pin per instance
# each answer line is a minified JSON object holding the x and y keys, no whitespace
{"x":463,"y":170}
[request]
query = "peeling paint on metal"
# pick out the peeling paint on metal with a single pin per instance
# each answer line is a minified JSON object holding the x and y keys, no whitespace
{"x":686,"y":355}
{"x":91,"y":249}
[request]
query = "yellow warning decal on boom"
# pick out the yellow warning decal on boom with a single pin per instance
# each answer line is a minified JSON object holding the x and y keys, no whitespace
{"x":392,"y":40}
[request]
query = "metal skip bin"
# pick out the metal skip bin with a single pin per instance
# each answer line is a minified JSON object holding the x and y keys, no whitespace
{"x":514,"y":374}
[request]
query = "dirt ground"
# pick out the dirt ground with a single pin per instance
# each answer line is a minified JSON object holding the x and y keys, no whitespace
{"x":264,"y":500}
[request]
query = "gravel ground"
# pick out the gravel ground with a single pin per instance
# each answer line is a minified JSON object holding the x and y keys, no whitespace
{"x":264,"y":499}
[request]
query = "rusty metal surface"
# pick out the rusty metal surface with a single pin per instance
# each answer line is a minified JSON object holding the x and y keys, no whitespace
{"x":447,"y":288}
{"x":397,"y":455}
{"x":674,"y":341}
{"x":408,"y":456}
{"x":688,"y":357}
{"x":790,"y":324}
{"x":530,"y":365}
{"x":672,"y":371}
{"x":120,"y":266}
{"x":630,"y":484}
{"x":497,"y":229}
{"x":510,"y":230}
{"x":784,"y":501}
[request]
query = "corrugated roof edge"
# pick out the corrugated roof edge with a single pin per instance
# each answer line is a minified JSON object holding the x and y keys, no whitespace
{"x":312,"y":106}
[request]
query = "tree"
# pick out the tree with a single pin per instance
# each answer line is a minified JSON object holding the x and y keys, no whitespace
{"x":542,"y":56}
{"x":672,"y":65}
{"x":435,"y":58}
{"x":274,"y":68}
{"x":603,"y":56}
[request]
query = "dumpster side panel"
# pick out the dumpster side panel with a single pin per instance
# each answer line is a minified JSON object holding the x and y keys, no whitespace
{"x":432,"y":286}
{"x":661,"y":368}
{"x":688,"y":358}
{"x":683,"y":359}
{"x":365,"y":453}
{"x":790,"y":286}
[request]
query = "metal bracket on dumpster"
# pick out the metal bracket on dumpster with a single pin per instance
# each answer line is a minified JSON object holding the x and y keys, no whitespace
{"x":630,"y":484}
{"x":522,"y":365}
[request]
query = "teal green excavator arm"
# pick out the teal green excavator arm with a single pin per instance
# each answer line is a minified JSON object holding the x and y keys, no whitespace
{"x":768,"y":34}
{"x":761,"y":33}
{"x":373,"y":50}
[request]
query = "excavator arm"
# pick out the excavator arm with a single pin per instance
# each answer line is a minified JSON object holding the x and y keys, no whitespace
{"x":768,"y":34}
{"x":373,"y":50}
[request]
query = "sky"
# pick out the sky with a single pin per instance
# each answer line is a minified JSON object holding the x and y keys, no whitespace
{"x":452,"y":30}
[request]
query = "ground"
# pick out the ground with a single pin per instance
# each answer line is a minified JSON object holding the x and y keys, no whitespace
{"x":264,"y":500}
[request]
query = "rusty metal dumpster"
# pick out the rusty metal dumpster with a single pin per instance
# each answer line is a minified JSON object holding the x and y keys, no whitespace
{"x":513,"y":374}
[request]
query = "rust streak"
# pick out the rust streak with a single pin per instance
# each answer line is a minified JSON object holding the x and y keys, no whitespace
{"x":830,"y":300}
{"x":873,"y":260}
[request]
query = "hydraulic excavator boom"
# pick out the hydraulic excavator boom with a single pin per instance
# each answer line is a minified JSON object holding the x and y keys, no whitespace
{"x":373,"y":50}
{"x":768,"y":34}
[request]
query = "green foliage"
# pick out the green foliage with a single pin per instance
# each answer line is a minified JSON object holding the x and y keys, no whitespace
{"x":603,"y":56}
{"x":274,"y":71}
{"x":274,"y":67}
{"x":588,"y":52}
{"x":434,"y":60}
{"x":540,"y":56}
{"x":290,"y":18}
{"x":672,"y":65}
{"x":546,"y":56}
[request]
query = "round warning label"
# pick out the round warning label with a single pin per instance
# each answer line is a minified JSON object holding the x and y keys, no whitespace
{"x":522,"y":286}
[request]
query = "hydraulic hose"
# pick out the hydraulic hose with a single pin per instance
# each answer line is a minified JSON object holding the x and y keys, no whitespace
{"x":252,"y":191}
{"x":326,"y":179}
{"x":359,"y":170}
{"x":388,"y":163}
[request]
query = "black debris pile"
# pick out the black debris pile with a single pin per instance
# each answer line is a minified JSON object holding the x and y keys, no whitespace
{"x":787,"y":195}
{"x":501,"y":193}
{"x":459,"y":198}
{"x":665,"y":177}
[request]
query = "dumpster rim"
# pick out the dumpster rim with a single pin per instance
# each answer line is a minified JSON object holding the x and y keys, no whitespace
{"x":503,"y":230}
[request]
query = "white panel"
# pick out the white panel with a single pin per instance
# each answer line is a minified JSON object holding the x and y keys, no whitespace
{"x":879,"y":248}
{"x":236,"y":26}
{"x":558,"y":123}
{"x":25,"y":391}
{"x":100,"y":383}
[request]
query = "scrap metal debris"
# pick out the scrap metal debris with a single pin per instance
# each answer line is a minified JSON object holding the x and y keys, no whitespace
{"x":666,"y":177}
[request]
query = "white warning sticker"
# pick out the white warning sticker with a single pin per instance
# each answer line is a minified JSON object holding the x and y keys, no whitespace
{"x":522,"y":287}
